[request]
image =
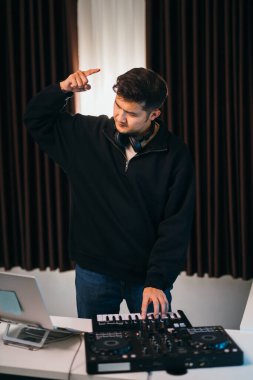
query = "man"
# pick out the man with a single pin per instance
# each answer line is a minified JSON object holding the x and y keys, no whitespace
{"x":132,"y":191}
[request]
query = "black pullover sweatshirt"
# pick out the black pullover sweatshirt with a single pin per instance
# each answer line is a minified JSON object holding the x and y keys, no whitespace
{"x":131,"y":220}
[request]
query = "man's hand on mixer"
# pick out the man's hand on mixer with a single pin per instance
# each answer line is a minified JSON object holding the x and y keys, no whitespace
{"x":159,"y":300}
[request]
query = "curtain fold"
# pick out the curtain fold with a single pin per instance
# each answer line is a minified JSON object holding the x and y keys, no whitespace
{"x":204,"y":50}
{"x":39,"y":41}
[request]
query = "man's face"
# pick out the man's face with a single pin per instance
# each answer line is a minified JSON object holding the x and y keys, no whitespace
{"x":130,"y":117}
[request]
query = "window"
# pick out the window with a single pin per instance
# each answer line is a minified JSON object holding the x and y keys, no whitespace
{"x":111,"y":36}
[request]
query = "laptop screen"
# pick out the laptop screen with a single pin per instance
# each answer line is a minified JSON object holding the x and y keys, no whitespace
{"x":21,"y":301}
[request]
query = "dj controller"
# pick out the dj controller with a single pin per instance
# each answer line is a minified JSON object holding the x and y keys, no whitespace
{"x":127,"y":343}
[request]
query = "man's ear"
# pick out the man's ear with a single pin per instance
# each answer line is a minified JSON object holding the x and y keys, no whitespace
{"x":154,"y":114}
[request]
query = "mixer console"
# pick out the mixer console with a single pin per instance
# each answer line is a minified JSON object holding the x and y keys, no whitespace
{"x":149,"y":349}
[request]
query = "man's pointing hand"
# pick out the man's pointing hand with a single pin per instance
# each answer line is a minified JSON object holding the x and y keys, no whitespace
{"x":78,"y":81}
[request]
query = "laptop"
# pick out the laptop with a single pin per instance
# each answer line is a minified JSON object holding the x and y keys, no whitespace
{"x":21,"y":302}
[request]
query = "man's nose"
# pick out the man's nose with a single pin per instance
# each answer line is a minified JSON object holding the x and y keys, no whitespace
{"x":121,"y":116}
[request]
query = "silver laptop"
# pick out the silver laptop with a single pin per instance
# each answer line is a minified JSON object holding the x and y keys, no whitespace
{"x":21,"y":302}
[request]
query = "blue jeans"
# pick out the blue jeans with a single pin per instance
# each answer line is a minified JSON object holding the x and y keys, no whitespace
{"x":101,"y":294}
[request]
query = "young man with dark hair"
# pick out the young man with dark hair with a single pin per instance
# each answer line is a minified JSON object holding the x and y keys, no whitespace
{"x":132,"y":191}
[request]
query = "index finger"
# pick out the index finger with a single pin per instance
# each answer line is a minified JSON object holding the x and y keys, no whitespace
{"x":90,"y":72}
{"x":144,"y":306}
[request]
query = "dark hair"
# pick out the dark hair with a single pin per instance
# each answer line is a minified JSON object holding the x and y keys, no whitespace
{"x":142,"y":85}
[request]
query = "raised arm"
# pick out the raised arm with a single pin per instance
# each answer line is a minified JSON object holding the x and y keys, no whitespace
{"x":46,"y":120}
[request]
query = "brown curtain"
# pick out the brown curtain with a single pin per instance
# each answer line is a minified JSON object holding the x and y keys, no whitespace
{"x":204,"y":49}
{"x":38,"y":47}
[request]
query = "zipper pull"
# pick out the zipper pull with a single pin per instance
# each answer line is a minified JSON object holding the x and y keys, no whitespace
{"x":126,"y":166}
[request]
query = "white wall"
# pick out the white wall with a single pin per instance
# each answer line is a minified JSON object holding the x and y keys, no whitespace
{"x":211,"y":301}
{"x":206,"y":301}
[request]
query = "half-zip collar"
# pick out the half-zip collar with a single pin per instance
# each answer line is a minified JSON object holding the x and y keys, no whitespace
{"x":158,"y":143}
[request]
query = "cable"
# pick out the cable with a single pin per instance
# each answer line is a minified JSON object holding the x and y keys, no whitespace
{"x":56,"y":337}
{"x":149,"y":375}
{"x":78,"y":348}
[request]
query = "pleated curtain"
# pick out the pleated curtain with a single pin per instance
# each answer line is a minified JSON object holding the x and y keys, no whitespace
{"x":204,"y":49}
{"x":38,"y":47}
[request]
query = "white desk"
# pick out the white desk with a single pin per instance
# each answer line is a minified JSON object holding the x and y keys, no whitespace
{"x":53,"y":361}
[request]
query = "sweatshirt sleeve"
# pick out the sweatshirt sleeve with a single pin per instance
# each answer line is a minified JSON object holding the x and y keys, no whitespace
{"x":168,"y":254}
{"x":49,"y":124}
